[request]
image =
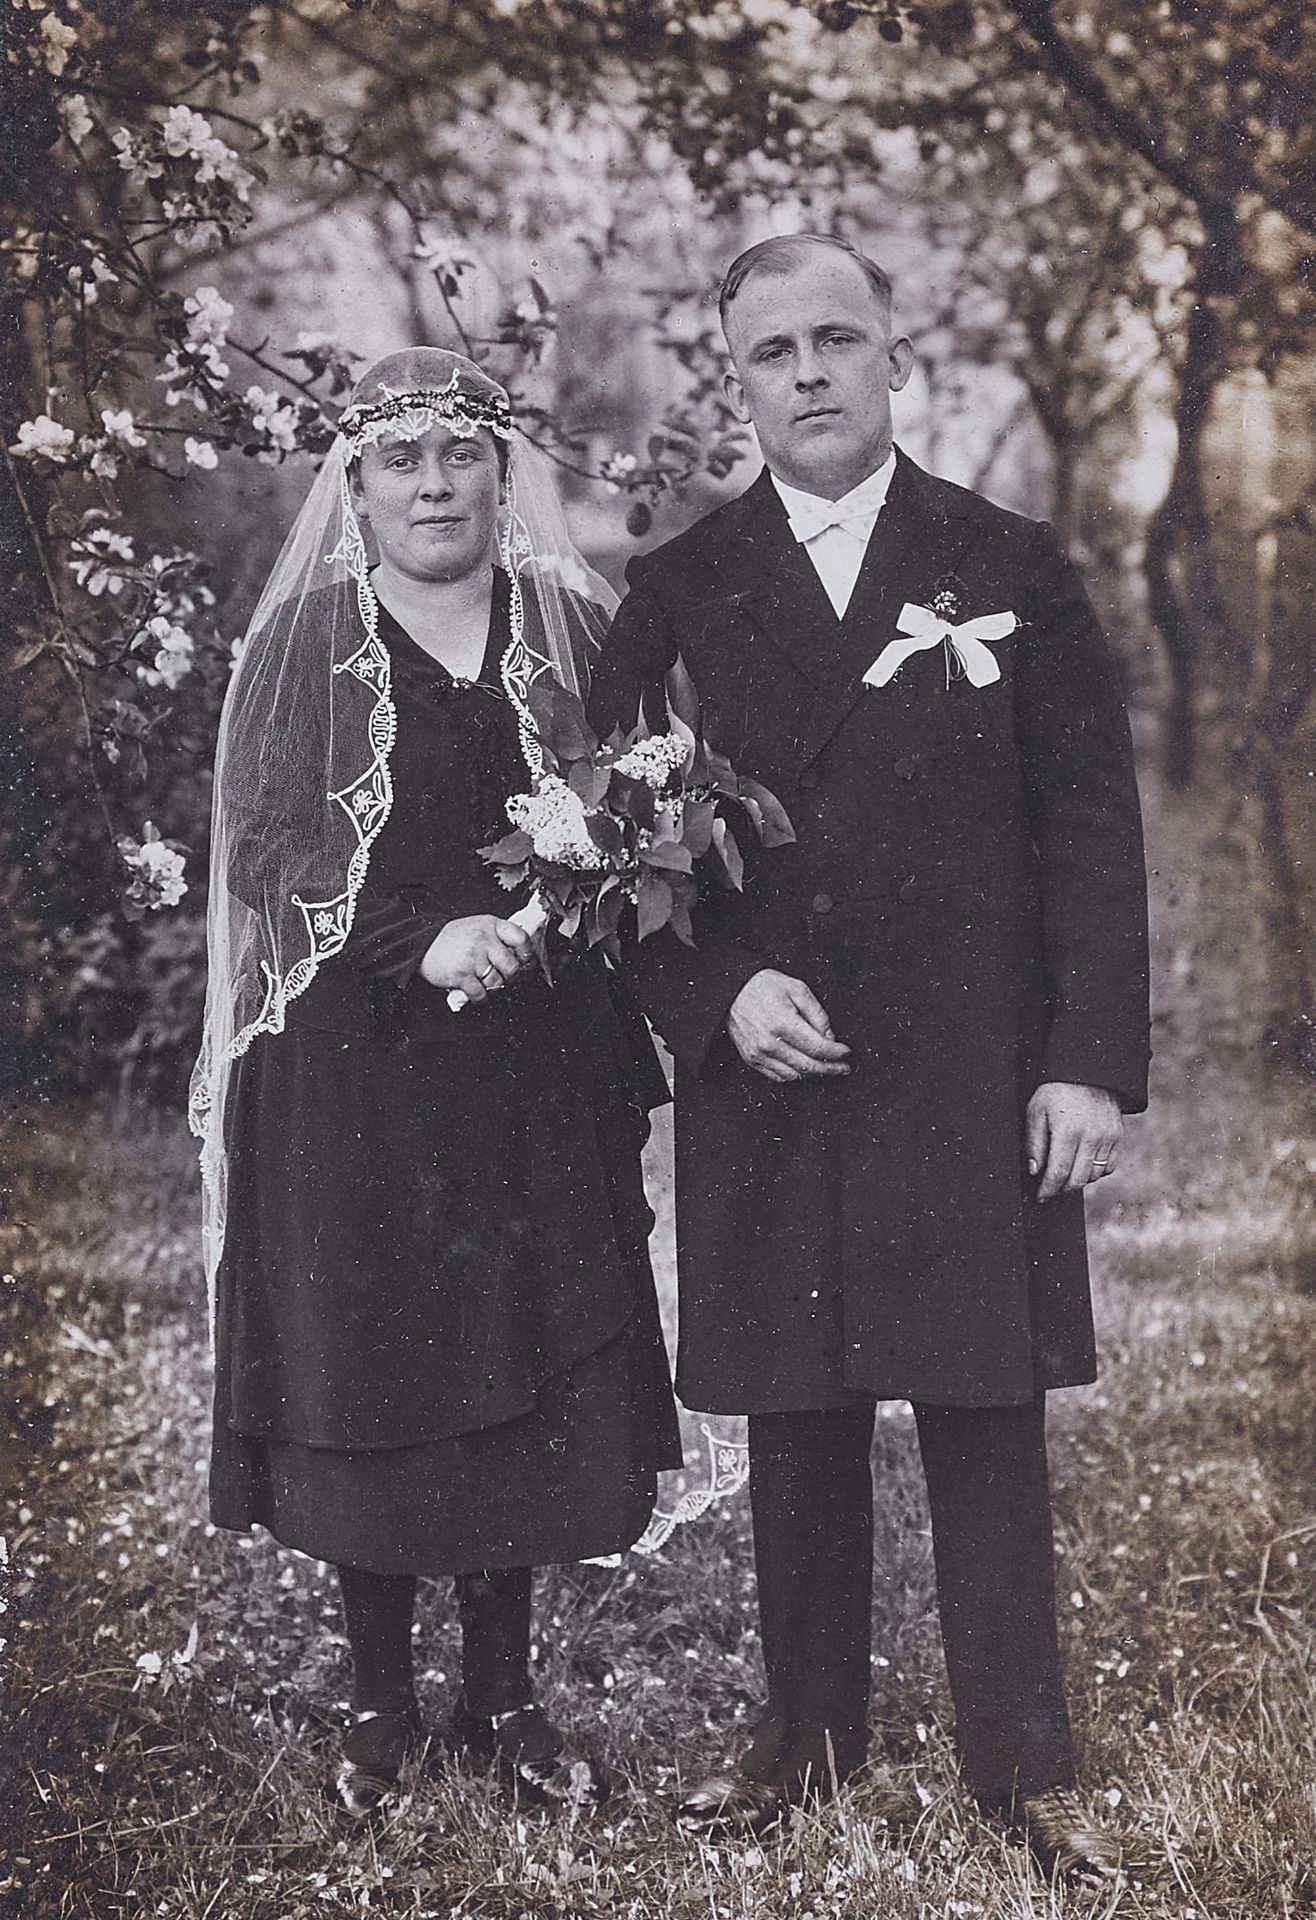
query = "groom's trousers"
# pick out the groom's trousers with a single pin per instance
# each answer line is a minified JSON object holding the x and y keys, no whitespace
{"x":812,"y":1498}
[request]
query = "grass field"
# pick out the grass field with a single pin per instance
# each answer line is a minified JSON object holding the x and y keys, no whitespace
{"x":171,"y":1696}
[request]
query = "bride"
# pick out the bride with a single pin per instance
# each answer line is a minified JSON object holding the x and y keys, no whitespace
{"x":437,"y":1342}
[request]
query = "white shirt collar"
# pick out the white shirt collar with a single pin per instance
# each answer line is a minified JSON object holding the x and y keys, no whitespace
{"x":863,"y":502}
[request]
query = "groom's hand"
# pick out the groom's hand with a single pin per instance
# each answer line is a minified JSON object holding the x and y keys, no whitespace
{"x":1072,"y":1135}
{"x":779,"y":1028}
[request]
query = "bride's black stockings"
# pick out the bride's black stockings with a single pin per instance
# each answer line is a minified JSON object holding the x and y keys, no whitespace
{"x":378,"y":1609}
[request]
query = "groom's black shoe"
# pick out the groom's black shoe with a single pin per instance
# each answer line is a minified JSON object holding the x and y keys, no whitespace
{"x":1065,"y":1840}
{"x":782,"y":1768}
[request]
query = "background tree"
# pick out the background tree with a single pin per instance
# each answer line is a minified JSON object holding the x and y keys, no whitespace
{"x":1103,"y":216}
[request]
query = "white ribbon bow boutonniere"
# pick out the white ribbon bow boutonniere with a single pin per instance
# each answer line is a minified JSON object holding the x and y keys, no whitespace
{"x":921,"y":628}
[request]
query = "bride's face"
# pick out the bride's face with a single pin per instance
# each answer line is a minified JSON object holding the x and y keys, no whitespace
{"x":432,"y":503}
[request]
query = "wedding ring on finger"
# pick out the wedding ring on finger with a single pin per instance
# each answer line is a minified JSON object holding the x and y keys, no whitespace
{"x":489,"y":974}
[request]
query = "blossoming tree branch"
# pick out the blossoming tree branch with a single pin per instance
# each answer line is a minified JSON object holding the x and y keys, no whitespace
{"x":136,"y":171}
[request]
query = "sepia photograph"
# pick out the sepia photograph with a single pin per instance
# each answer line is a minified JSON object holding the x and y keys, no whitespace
{"x":658,"y":960}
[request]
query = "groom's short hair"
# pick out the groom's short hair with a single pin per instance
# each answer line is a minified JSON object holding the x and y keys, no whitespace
{"x":783,"y":253}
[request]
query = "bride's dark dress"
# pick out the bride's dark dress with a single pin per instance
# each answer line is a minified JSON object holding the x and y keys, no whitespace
{"x":438,"y":1347}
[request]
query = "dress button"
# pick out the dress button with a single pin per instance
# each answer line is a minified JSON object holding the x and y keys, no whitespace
{"x":906,"y":767}
{"x":822,"y":903}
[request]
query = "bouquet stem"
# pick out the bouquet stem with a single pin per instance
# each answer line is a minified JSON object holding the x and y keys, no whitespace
{"x":532,"y":918}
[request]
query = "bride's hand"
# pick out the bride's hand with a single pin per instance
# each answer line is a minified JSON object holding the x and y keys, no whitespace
{"x":478,"y":955}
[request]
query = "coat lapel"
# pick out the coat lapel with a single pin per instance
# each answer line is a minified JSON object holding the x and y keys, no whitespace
{"x":919,"y":534}
{"x":765,"y":571}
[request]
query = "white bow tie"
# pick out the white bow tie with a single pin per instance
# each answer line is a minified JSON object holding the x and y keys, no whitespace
{"x":807,"y":521}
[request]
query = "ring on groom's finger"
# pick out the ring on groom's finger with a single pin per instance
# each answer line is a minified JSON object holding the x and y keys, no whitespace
{"x":490,"y":973}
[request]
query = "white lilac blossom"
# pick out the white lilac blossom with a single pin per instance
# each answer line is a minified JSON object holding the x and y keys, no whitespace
{"x":654,"y":761}
{"x":554,"y":817}
{"x":43,"y":437}
{"x":93,"y":557}
{"x":200,"y":453}
{"x":73,"y":111}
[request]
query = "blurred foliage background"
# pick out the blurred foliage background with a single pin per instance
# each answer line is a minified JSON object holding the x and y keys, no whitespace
{"x":1100,"y":219}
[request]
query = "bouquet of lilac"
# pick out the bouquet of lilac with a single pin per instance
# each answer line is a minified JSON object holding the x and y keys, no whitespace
{"x":633,"y":821}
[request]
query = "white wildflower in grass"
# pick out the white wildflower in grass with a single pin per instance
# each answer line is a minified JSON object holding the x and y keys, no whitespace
{"x":43,"y":438}
{"x":121,"y":427}
{"x":209,"y":316}
{"x":554,"y":817}
{"x":94,"y":561}
{"x":149,"y":1664}
{"x":200,"y":453}
{"x":654,"y":761}
{"x":73,"y":111}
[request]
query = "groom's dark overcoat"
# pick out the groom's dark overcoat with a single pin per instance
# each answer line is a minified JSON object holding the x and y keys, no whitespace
{"x":966,"y":896}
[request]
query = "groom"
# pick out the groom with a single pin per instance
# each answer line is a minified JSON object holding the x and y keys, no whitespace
{"x":904,"y":1050}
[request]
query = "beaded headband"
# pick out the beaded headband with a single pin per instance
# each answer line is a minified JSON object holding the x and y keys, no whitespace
{"x":406,"y":415}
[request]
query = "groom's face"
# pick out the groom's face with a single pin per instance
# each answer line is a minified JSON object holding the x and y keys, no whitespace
{"x":815,"y":368}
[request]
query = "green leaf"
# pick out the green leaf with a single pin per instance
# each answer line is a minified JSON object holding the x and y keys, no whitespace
{"x":670,"y":854}
{"x":680,"y":923}
{"x":654,"y":904}
{"x":776,"y":830}
{"x":606,"y":834}
{"x":726,"y":850}
{"x":697,"y":826}
{"x":682,"y":704}
{"x":633,"y":800}
{"x":560,"y":721}
{"x":510,"y":851}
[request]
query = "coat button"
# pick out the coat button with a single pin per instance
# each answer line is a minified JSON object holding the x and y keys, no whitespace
{"x":810,"y":779}
{"x":906,"y":767}
{"x":822,"y":903}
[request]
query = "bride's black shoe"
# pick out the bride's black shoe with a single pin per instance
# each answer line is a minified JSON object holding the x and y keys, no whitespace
{"x":530,"y":1756}
{"x":374,"y":1749}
